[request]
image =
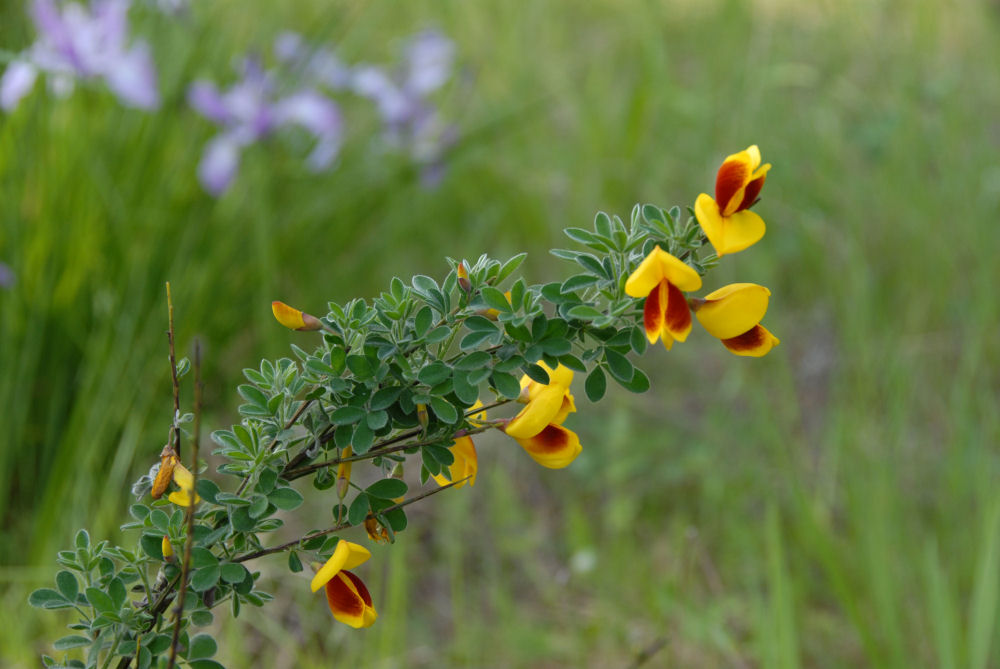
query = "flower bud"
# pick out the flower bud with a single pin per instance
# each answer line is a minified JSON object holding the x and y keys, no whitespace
{"x":167,"y":549}
{"x":463,"y":277}
{"x":344,"y":474}
{"x":422,"y":416}
{"x":293,"y":319}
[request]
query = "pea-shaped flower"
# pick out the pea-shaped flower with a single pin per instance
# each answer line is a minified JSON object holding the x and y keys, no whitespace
{"x":346,"y":594}
{"x":660,"y":278}
{"x":733,"y":314}
{"x":727,"y":220}
{"x":293,"y":319}
{"x":538,"y":427}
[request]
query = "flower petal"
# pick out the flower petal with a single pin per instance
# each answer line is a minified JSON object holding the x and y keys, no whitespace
{"x":568,"y":407}
{"x":654,"y":312}
{"x":752,"y":190}
{"x":219,"y":163}
{"x":132,"y":77}
{"x":742,"y":229}
{"x":711,"y":222}
{"x":733,"y":309}
{"x":677,"y":316}
{"x":754,"y":343}
{"x":288,"y":316}
{"x":350,"y":601}
{"x":655,"y":267}
{"x":18,"y":80}
{"x":538,"y":413}
{"x":554,"y":447}
{"x":347,"y":555}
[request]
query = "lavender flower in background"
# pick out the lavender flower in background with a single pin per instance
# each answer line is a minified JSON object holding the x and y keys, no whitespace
{"x":80,"y":43}
{"x":6,"y":276}
{"x":401,"y":98}
{"x":316,"y":65}
{"x":251,"y":110}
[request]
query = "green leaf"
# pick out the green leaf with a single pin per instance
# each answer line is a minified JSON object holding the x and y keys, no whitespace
{"x":396,"y":519}
{"x":438,"y":334}
{"x":474,"y":339}
{"x":506,"y":385}
{"x":82,"y":539}
{"x":363,"y":438}
{"x":591,"y":264}
{"x":286,"y":499}
{"x":444,"y":410}
{"x":596,"y":385}
{"x":578,"y":281}
{"x":358,"y":510}
{"x":424,"y":285}
{"x":241,"y":520}
{"x":233,"y":572}
{"x":205,"y":578}
{"x":116,"y":588}
{"x":72,"y":641}
{"x":465,"y":390}
{"x":210,"y":664}
{"x":510,"y":266}
{"x":481,"y":324}
{"x":585,"y":312}
{"x":252,"y":395}
{"x":376,"y":420}
{"x":258,"y":505}
{"x":152,"y":546}
{"x":495,"y":299}
{"x":434,"y":373}
{"x":422,"y":321}
{"x":47,"y":598}
{"x":384,"y":398}
{"x":387,"y":488}
{"x":207,"y":488}
{"x":573,"y":363}
{"x":474,"y":360}
{"x":202,"y":557}
{"x":68,"y":585}
{"x":294,"y":563}
{"x":556,"y":346}
{"x":100,"y":601}
{"x":619,"y":365}
{"x":359,"y":366}
{"x":537,"y":373}
{"x":638,"y":384}
{"x":202,"y":645}
{"x":200,"y":618}
{"x":347,"y":415}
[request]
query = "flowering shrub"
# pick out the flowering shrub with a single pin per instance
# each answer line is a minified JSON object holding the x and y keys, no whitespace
{"x":405,"y":380}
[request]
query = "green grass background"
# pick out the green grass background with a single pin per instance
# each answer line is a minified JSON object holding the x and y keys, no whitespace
{"x":834,"y":504}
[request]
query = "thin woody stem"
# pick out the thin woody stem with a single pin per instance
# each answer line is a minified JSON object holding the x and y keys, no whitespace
{"x":192,"y":503}
{"x":342,"y":526}
{"x":174,"y":430}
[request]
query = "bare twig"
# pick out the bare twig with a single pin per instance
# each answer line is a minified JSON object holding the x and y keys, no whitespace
{"x":174,"y":429}
{"x":342,"y":526}
{"x":192,"y":503}
{"x":649,"y":651}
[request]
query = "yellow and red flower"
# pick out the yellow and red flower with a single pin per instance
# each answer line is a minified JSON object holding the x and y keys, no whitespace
{"x":538,"y":427}
{"x":661,"y":278}
{"x":293,"y":319}
{"x":346,"y":594}
{"x":733,"y":314}
{"x":727,"y":220}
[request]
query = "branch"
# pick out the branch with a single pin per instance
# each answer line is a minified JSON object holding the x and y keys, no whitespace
{"x":174,"y":429}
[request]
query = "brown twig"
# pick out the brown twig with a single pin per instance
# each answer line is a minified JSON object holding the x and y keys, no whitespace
{"x":192,"y":503}
{"x":175,"y":431}
{"x":649,"y":651}
{"x":342,"y":526}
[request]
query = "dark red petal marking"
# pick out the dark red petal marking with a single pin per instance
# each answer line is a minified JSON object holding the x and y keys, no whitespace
{"x":731,"y":178}
{"x":360,"y":585}
{"x":340,"y":597}
{"x":750,"y":340}
{"x":678,"y":313}
{"x":652,"y":312}
{"x":550,"y":440}
{"x":751,"y":193}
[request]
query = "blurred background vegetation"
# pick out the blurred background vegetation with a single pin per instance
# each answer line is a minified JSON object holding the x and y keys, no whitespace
{"x":833,"y":504}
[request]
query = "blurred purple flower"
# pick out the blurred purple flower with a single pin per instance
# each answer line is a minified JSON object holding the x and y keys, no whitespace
{"x":86,"y":44}
{"x":401,"y":98}
{"x":250,"y":111}
{"x":6,"y":275}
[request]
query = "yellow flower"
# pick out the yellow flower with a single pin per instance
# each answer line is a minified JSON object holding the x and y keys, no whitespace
{"x":727,"y":220}
{"x":538,"y":427}
{"x":466,"y":462}
{"x":554,"y":447}
{"x":185,"y":481}
{"x":167,"y":549}
{"x":733,"y":314}
{"x":660,"y":278}
{"x":346,"y":594}
{"x":165,"y":473}
{"x":344,"y":473}
{"x":293,"y":319}
{"x":546,"y":403}
{"x":463,"y":277}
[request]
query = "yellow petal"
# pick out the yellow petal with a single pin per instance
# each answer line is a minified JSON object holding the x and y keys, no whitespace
{"x":707,"y":213}
{"x":182,"y":498}
{"x":477,"y":418}
{"x":742,"y":229}
{"x":733,"y":309}
{"x":754,"y":343}
{"x":166,"y":548}
{"x":568,"y":406}
{"x":288,"y":316}
{"x":538,"y":413}
{"x":347,"y":555}
{"x":554,"y":447}
{"x":656,"y":267}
